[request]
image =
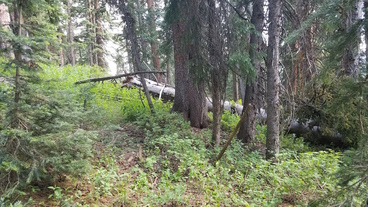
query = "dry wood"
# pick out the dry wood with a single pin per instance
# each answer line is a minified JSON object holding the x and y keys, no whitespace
{"x":233,"y":133}
{"x":140,"y":153}
{"x":168,"y":92}
{"x":114,"y":77}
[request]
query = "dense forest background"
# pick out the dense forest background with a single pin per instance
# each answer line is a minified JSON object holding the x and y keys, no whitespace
{"x":287,"y":79}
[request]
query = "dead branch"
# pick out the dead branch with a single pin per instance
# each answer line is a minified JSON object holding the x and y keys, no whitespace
{"x":114,"y":77}
{"x":233,"y":134}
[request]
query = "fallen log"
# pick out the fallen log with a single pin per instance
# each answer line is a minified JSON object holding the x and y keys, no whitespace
{"x":164,"y":91}
{"x":312,"y":134}
{"x":315,"y":135}
{"x":167,"y":93}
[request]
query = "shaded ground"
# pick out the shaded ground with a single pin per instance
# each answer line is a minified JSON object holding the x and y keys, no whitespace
{"x":125,"y":147}
{"x":126,"y":141}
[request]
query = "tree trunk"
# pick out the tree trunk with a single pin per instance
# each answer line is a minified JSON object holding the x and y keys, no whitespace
{"x":217,"y":111}
{"x":181,"y":67}
{"x":99,"y":39}
{"x":217,"y":71}
{"x":130,"y":29}
{"x":248,"y":127}
{"x":18,"y":56}
{"x":235,"y":87}
{"x":303,"y":68}
{"x":190,"y":98}
{"x":128,"y":51}
{"x":153,"y":41}
{"x":366,"y":35}
{"x":70,"y":34}
{"x":197,"y":111}
{"x":167,"y":93}
{"x":351,"y":54}
{"x":242,"y":84}
{"x":142,"y":29}
{"x":168,"y":79}
{"x":4,"y":24}
{"x":4,"y":16}
{"x":90,"y":34}
{"x":61,"y":54}
{"x":273,"y":79}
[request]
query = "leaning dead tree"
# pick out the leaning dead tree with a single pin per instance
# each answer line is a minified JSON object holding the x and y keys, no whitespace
{"x":134,"y":47}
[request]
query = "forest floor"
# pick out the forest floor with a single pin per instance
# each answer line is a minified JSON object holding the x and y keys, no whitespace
{"x":140,"y":159}
{"x":128,"y":142}
{"x":128,"y":152}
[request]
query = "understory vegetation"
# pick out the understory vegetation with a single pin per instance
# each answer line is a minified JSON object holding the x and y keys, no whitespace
{"x":98,"y":145}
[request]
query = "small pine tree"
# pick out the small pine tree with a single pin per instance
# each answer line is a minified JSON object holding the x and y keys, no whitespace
{"x":28,"y":115}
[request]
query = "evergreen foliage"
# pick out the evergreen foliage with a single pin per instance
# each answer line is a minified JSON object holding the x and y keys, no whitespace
{"x":175,"y":168}
{"x":98,"y":144}
{"x":44,"y":148}
{"x":336,"y":100}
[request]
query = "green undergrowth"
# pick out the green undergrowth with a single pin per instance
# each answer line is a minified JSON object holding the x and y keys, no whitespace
{"x":99,"y":128}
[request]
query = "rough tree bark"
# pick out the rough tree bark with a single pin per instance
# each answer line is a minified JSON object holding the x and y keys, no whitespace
{"x":142,"y":27}
{"x":90,"y":33}
{"x":273,"y":80}
{"x":130,"y":29}
{"x":190,"y":99}
{"x":235,"y":87}
{"x":218,"y":73}
{"x":4,"y":23}
{"x":4,"y":16}
{"x":153,"y":41}
{"x":351,"y":54}
{"x":215,"y":79}
{"x":304,"y":67}
{"x":70,"y":34}
{"x":99,"y":38}
{"x":247,"y":129}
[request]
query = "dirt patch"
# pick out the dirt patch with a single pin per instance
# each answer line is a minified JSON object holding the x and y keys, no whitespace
{"x":127,"y":161}
{"x":125,"y":137}
{"x":288,"y":199}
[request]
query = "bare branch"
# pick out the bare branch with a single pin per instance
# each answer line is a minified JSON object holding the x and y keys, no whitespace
{"x":236,"y":10}
{"x":115,"y":77}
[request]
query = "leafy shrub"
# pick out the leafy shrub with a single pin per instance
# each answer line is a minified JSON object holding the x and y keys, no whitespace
{"x":291,"y":143}
{"x":241,"y":178}
{"x":229,"y":121}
